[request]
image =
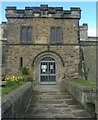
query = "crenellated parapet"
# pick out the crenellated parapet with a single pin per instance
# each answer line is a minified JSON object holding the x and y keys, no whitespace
{"x":43,"y":11}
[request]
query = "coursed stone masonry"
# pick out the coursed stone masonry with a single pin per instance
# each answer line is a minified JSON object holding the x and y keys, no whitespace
{"x":41,"y":19}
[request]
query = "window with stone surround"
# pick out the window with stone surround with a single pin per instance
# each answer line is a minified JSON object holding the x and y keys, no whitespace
{"x":56,"y":35}
{"x":26,"y":34}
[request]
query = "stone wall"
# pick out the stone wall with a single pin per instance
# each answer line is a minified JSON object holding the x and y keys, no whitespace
{"x":88,"y":45}
{"x":90,"y":62}
{"x":84,"y":94}
{"x":41,"y":30}
{"x":3,"y":40}
{"x":14,"y":104}
{"x":67,"y":66}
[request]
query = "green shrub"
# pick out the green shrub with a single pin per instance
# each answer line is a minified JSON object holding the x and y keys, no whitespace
{"x":26,"y":75}
{"x":25,"y":71}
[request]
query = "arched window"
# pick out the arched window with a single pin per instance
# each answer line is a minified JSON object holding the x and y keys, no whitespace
{"x":47,"y":59}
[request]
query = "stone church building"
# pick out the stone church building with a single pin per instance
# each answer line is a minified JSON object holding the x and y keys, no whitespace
{"x":44,"y":39}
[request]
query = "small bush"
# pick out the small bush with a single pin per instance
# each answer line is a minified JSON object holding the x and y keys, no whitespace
{"x":25,"y":71}
{"x":26,"y":75}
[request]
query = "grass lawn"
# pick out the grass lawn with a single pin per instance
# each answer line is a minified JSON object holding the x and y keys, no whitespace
{"x":9,"y":86}
{"x":84,"y":82}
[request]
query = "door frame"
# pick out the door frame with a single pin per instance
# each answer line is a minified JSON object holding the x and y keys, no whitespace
{"x":39,"y":69}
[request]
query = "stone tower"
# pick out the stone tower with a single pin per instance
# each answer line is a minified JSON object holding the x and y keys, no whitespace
{"x":44,"y":39}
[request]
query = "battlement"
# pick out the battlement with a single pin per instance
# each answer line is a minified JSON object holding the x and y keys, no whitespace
{"x":84,"y":26}
{"x":43,"y":11}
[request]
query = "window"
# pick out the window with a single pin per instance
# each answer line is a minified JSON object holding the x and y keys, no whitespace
{"x":3,"y":54}
{"x":29,"y":35}
{"x":26,"y":34}
{"x":52,"y":35}
{"x":21,"y":62}
{"x":56,"y":35}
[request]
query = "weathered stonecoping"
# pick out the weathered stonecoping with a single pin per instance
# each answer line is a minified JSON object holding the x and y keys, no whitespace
{"x":85,"y":94}
{"x":14,"y":104}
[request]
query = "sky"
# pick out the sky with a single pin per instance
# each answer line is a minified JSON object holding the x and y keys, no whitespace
{"x":88,"y":13}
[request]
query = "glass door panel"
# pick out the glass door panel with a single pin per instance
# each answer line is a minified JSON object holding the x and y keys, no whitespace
{"x":48,"y":71}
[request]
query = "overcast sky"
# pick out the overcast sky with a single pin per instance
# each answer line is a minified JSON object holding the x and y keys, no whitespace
{"x":88,"y":13}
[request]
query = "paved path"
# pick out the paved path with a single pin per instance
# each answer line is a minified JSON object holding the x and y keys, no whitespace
{"x":52,"y":101}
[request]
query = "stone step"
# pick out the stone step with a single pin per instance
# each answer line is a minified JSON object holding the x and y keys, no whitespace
{"x":53,"y":102}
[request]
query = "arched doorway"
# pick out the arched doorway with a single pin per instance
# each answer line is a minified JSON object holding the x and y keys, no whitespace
{"x":47,"y":70}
